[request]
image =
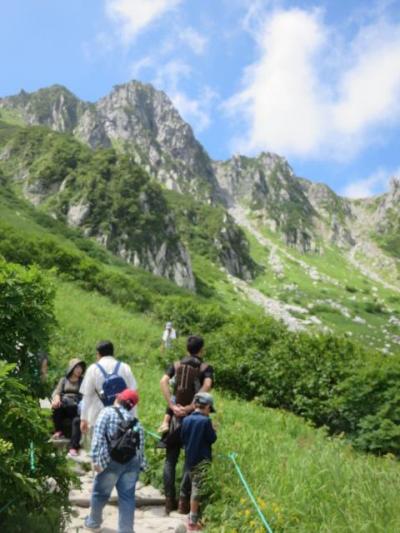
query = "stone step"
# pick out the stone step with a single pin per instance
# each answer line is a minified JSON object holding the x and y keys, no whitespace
{"x":147,"y":520}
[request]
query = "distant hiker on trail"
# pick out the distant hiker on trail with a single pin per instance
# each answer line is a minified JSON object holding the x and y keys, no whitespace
{"x":198,"y":434}
{"x":168,"y":336}
{"x":65,"y":403}
{"x":118,"y":456}
{"x":192,"y":375}
{"x":103,"y":380}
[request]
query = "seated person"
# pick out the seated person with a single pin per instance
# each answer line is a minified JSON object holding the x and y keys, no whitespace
{"x":65,"y":403}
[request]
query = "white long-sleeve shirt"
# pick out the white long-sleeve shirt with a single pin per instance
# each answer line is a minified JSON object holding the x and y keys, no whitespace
{"x":92,"y":385}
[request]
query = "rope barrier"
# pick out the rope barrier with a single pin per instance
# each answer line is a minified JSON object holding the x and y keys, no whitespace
{"x":154,"y":435}
{"x":232,"y":457}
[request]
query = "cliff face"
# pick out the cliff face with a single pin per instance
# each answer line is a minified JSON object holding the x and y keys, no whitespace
{"x":140,"y":121}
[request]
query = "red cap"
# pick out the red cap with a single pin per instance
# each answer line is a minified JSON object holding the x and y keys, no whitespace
{"x":129,"y":395}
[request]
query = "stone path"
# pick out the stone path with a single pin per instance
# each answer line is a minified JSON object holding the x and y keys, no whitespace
{"x":149,"y":516}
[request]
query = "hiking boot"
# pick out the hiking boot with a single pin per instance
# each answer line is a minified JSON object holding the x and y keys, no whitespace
{"x":170,"y":505}
{"x":183,"y":506}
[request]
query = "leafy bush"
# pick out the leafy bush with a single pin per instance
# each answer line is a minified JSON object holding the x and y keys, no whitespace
{"x":327,"y":380}
{"x":27,"y":461}
{"x":367,"y":406}
{"x":34,"y":488}
{"x":374,"y":308}
{"x":190,"y":317}
{"x":48,"y":253}
{"x":26,"y":320}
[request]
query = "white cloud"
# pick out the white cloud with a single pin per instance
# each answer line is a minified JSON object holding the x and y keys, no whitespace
{"x":194,"y":40}
{"x":192,"y":110}
{"x":133,"y":16}
{"x":374,"y":184}
{"x":171,"y":73}
{"x":196,"y":111}
{"x":137,"y":67}
{"x":307,"y":97}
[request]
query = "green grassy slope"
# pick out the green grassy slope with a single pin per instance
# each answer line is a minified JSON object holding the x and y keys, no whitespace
{"x":368,"y":305}
{"x":304,"y":482}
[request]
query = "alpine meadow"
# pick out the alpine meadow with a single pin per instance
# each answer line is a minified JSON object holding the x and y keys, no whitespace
{"x":114,"y":220}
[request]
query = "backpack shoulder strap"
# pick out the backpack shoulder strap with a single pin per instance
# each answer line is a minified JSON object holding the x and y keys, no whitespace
{"x":101,"y":370}
{"x":119,"y":413}
{"x":116,"y":368}
{"x":203,"y":367}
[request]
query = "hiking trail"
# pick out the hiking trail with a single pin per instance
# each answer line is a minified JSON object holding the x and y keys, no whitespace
{"x":149,"y":515}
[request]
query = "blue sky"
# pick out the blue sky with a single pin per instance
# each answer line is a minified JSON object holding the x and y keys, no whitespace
{"x":316,"y":82}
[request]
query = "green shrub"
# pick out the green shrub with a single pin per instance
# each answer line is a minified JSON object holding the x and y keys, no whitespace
{"x":367,"y":406}
{"x":26,"y":320}
{"x":190,"y":317}
{"x":28,"y":499}
{"x":27,"y":461}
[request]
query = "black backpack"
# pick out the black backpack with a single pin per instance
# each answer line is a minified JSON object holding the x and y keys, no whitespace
{"x":125,"y":442}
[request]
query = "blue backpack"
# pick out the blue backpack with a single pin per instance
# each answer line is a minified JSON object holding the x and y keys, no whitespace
{"x":113,"y":384}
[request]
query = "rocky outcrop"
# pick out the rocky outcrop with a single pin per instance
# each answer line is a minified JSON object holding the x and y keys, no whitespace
{"x":134,"y":118}
{"x":266,"y":185}
{"x":146,"y":124}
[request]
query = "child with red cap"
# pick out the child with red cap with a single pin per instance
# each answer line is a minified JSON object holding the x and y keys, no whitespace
{"x":114,"y":423}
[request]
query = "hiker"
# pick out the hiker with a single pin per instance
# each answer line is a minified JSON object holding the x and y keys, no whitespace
{"x":168,"y":336}
{"x":103,"y":380}
{"x":191,"y":375}
{"x":65,"y":404}
{"x":118,"y":456}
{"x":198,"y":435}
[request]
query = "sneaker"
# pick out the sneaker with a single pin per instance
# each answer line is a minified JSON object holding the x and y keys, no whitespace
{"x":73,"y":452}
{"x":194,"y":527}
{"x":97,"y":529}
{"x":58,"y":435}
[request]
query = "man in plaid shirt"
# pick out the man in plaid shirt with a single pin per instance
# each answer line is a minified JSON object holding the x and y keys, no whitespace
{"x":110,"y":473}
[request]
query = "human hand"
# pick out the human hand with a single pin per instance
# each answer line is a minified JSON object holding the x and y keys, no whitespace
{"x":84,"y":426}
{"x":56,"y":403}
{"x":178,"y":410}
{"x":97,"y":468}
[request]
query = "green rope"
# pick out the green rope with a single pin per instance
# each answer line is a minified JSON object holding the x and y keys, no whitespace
{"x":32,"y":457}
{"x":154,"y":435}
{"x":232,"y":457}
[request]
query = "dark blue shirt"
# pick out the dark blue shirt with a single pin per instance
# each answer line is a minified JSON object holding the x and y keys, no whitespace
{"x":197,"y":436}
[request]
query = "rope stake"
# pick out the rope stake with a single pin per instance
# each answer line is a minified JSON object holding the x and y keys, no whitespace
{"x":232,"y":457}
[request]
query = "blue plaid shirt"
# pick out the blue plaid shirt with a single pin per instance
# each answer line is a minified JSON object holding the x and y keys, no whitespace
{"x":106,"y":426}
